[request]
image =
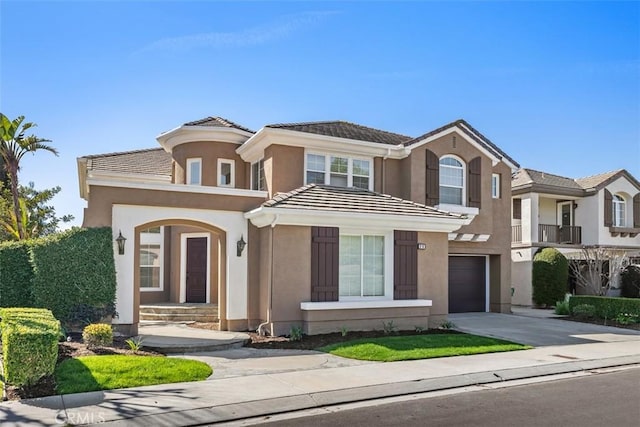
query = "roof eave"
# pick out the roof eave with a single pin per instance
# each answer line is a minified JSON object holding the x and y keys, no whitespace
{"x":185,"y":134}
{"x":547,"y":189}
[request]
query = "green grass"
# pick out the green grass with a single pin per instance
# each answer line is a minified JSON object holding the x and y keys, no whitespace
{"x":395,"y":348}
{"x":92,"y":373}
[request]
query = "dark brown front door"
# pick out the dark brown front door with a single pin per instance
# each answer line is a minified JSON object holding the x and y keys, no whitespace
{"x":467,"y":284}
{"x":197,"y":269}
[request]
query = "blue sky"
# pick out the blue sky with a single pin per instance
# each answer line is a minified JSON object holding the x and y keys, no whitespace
{"x":556,"y":85}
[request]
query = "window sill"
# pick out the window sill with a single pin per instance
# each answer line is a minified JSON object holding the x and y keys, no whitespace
{"x":624,"y":232}
{"x":354,"y":305}
{"x":458,"y":209}
{"x":151,"y":289}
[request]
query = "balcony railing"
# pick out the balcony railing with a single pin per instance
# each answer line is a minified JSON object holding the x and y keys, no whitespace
{"x":549,"y":233}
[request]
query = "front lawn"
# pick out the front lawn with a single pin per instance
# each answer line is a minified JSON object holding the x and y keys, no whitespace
{"x":412,"y":347}
{"x":92,"y":373}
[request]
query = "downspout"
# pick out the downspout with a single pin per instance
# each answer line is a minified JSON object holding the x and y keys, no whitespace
{"x":270,"y":285}
{"x":383,"y":171}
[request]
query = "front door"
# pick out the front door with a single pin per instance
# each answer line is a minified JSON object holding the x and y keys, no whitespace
{"x":196,"y":281}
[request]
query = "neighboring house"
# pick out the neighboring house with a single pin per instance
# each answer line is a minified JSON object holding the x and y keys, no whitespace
{"x":344,"y":225}
{"x":553,"y":211}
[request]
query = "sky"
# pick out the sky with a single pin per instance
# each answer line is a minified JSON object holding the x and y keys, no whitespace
{"x":556,"y":85}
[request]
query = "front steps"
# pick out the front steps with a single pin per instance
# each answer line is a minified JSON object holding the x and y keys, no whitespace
{"x":179,"y":313}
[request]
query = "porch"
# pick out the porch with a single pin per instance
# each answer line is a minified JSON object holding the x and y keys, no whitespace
{"x":551,"y":233}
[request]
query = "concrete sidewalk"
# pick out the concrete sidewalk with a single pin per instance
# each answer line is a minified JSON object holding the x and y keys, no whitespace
{"x":238,"y":397}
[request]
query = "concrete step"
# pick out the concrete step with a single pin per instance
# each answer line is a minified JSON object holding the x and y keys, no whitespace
{"x":173,"y":317}
{"x":180,"y":309}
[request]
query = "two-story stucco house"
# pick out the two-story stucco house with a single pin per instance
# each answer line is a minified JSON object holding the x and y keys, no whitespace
{"x":554,"y":211}
{"x":319,"y":225}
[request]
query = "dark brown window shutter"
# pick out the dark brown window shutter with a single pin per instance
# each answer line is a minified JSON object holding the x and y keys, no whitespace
{"x":608,"y":209}
{"x":405,"y":265}
{"x":432,"y":179}
{"x":475,"y":182}
{"x":517,"y":208}
{"x":324,"y":263}
{"x":636,"y":211}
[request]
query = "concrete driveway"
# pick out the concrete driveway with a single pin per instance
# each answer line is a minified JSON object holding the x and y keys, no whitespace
{"x":537,"y":331}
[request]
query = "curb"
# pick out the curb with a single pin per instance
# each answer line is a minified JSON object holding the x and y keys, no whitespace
{"x":266,"y":407}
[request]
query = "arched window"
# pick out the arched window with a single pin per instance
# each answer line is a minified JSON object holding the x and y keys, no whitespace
{"x":452,"y":181}
{"x":619,"y":208}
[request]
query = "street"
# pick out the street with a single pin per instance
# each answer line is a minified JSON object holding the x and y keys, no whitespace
{"x":611,"y":399}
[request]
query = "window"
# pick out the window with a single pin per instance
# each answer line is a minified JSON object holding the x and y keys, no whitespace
{"x":151,"y":259}
{"x":338,"y":171}
{"x":194,"y":171}
{"x":517,"y":209}
{"x":495,"y":185}
{"x":619,"y":207}
{"x":451,"y":181}
{"x":257,"y":176}
{"x":361,"y":266}
{"x":226,"y":173}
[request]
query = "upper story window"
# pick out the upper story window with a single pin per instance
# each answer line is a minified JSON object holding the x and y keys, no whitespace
{"x":452,"y":181}
{"x":619,"y":208}
{"x":340,"y":171}
{"x":194,"y":171}
{"x":257,"y":176}
{"x":226,"y":173}
{"x":495,"y":185}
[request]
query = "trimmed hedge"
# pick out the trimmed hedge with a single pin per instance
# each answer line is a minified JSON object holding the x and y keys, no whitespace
{"x":75,"y":270}
{"x":29,"y":344}
{"x":607,"y":307}
{"x":16,"y":275}
{"x":550,"y":275}
{"x":630,"y":282}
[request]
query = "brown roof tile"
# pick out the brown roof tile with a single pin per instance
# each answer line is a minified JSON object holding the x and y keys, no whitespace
{"x":342,"y":129}
{"x":529,"y":176}
{"x":352,"y":200}
{"x":217,"y":122}
{"x":154,"y":161}
{"x":594,"y":181}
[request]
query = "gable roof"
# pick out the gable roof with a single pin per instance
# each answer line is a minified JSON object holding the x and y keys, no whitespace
{"x":533,"y":180}
{"x":472,"y":133}
{"x":350,"y":199}
{"x":347,"y":130}
{"x":599,"y":181}
{"x":153,"y":161}
{"x":217,"y":122}
{"x":529,"y":176}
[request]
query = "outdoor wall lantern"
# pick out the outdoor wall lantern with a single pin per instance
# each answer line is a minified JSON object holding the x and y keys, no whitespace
{"x":241,"y":245}
{"x":120,"y":241}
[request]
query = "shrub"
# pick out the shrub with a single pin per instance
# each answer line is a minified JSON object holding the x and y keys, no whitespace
{"x":97,"y":335}
{"x":295,"y":333}
{"x":630,"y":282}
{"x":550,"y":274}
{"x":584,"y":311}
{"x":607,"y":307}
{"x":74,"y":269}
{"x":29,"y":344}
{"x":16,"y":275}
{"x":562,"y":307}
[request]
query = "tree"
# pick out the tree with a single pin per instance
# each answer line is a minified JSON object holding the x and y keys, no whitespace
{"x":38,"y":218}
{"x":14,"y":144}
{"x":595,"y":269}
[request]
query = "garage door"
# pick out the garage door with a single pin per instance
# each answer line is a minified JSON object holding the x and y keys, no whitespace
{"x":467,"y":284}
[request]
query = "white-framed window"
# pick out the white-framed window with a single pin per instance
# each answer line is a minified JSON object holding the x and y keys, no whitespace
{"x":619,"y":209}
{"x":257,"y":176}
{"x":194,"y":171}
{"x":338,"y":170}
{"x":226,"y":173}
{"x":151,"y":259}
{"x":364,"y":267}
{"x":452,"y":181}
{"x":495,"y":185}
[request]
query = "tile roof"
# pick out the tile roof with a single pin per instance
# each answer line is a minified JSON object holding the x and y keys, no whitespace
{"x":342,"y":129}
{"x":217,"y":122}
{"x":472,"y":133}
{"x":153,"y":161}
{"x":595,"y":180}
{"x":352,"y":200}
{"x":529,"y":176}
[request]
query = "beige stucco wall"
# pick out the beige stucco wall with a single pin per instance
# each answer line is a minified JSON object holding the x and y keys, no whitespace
{"x":254,"y":296}
{"x":367,"y":319}
{"x":283,"y":168}
{"x":433,"y":275}
{"x":209,"y":152}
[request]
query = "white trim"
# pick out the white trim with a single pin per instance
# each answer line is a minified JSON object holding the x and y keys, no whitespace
{"x":355,"y":305}
{"x":233,"y":172}
{"x":458,"y":209}
{"x":487,"y":276}
{"x":251,"y":177}
{"x":185,"y":134}
{"x":191,"y":161}
{"x":463,"y":167}
{"x":327,"y":166}
{"x":181,"y":188}
{"x":559,"y":212}
{"x":263,"y":216}
{"x":183,"y":264}
{"x":154,"y":239}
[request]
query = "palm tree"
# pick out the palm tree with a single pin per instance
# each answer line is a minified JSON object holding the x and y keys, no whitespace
{"x":14,"y":144}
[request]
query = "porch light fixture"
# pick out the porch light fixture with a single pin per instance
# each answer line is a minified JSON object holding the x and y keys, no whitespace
{"x":240,"y":245}
{"x":120,"y":241}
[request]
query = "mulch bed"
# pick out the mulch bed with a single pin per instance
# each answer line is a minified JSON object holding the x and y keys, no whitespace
{"x":66,"y":350}
{"x":608,"y":322}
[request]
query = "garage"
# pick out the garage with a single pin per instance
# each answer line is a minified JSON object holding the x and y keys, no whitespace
{"x":467,"y":283}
